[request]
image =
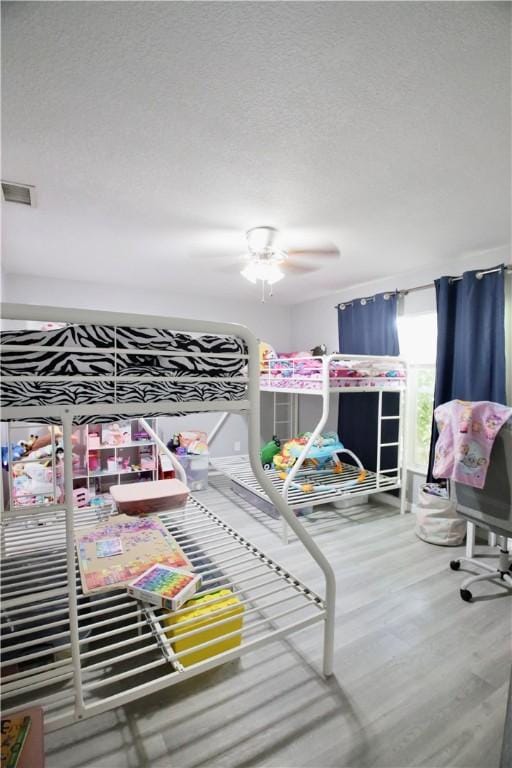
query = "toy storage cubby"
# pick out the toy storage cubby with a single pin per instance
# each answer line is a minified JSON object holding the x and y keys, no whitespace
{"x":34,"y":477}
{"x":115,"y":453}
{"x":103,"y":455}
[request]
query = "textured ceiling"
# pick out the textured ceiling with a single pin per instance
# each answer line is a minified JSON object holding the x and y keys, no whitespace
{"x":156,"y":133}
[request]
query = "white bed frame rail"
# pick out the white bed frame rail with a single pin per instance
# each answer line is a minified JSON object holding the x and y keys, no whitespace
{"x":250,"y":406}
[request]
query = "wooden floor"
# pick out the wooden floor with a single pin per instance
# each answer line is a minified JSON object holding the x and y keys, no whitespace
{"x":421,"y":678}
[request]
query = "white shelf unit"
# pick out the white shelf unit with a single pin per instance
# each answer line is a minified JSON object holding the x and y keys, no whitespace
{"x":83,"y":476}
{"x":78,"y":656}
{"x":23,"y":496}
{"x":325,"y":384}
{"x":102,"y":453}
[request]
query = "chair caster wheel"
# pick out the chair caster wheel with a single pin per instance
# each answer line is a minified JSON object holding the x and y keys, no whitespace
{"x":466,"y":595}
{"x":455,"y":565}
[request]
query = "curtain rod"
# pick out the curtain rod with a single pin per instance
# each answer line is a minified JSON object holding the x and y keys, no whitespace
{"x":405,"y":291}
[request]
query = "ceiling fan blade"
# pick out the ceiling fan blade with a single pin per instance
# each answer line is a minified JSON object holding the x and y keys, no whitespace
{"x":297,"y":269}
{"x":308,"y":253}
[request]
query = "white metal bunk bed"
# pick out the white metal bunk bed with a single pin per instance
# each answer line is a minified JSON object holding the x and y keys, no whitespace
{"x":78,"y":655}
{"x":323,"y":377}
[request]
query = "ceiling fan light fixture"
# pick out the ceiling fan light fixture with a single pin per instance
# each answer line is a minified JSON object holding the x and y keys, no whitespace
{"x":261,"y":239}
{"x":249,"y":273}
{"x":266,"y":271}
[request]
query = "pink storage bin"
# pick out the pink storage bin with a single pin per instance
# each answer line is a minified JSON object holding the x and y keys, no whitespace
{"x":150,"y":496}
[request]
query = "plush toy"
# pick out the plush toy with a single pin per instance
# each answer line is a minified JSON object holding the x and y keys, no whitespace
{"x":44,"y":440}
{"x":44,"y":454}
{"x":319,"y":350}
{"x":268,"y":452}
{"x":17,"y":452}
{"x":26,"y":445}
{"x":18,"y":470}
{"x":114,"y":435}
{"x":31,"y":479}
{"x":266,"y":353}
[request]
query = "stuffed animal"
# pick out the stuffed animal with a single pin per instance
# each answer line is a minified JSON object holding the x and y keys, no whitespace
{"x":268,"y":452}
{"x":26,"y":445}
{"x":319,"y":350}
{"x":266,"y":353}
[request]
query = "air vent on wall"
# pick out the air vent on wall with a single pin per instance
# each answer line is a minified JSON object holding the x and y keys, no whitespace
{"x":18,"y":193}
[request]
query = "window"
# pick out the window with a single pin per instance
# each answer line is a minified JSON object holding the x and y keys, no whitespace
{"x":417,"y":335}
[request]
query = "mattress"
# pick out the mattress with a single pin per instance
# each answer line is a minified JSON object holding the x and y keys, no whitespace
{"x":306,"y":374}
{"x":96,"y":364}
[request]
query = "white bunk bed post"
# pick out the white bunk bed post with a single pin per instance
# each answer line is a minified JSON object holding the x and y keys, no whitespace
{"x":323,"y":420}
{"x":67,"y":431}
{"x":379,"y":440}
{"x":295,"y":413}
{"x":326,"y":359}
{"x":279,"y":500}
{"x":178,"y":468}
{"x":402,"y":445}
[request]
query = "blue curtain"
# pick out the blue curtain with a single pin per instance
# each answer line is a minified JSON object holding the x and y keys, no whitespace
{"x":368,"y":327}
{"x":470,"y":361}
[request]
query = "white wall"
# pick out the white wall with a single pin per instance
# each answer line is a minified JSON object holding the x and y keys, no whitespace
{"x":268,"y":321}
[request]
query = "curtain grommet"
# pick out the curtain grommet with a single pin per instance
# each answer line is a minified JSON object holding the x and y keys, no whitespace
{"x":363,"y":302}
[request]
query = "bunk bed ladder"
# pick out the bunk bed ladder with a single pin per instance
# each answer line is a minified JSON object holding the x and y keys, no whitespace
{"x":286,"y":421}
{"x":398,"y":444}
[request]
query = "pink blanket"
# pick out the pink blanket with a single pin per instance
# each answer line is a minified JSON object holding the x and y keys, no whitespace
{"x":466,"y":435}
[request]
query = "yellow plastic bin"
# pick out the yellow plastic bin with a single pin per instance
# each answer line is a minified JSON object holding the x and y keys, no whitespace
{"x":200,"y":609}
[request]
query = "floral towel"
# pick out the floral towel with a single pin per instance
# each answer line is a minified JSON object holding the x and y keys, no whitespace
{"x":466,"y":435}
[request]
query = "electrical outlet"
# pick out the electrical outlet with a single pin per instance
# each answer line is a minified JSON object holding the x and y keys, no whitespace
{"x":237,"y":447}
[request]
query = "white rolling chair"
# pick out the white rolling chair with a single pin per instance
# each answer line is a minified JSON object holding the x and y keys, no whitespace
{"x":490,"y":508}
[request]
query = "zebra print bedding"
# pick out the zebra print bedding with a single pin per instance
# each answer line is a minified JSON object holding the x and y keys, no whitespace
{"x":93,"y":364}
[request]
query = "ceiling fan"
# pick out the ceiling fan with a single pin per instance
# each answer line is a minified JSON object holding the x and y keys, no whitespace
{"x":269,"y":264}
{"x":266,"y":262}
